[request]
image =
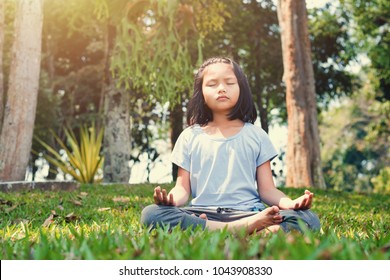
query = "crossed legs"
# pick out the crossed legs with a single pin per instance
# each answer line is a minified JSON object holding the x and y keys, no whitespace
{"x":271,"y":219}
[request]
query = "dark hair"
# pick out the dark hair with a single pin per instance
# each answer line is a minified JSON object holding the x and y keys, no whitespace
{"x":199,"y":113}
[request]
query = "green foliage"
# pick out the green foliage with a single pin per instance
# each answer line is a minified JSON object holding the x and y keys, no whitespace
{"x":163,"y":73}
{"x":211,"y":16}
{"x":355,"y":136}
{"x":381,"y":183}
{"x":139,"y":59}
{"x":332,"y":52}
{"x":102,"y":222}
{"x":83,"y":158}
{"x":372,"y":36}
{"x":355,"y":140}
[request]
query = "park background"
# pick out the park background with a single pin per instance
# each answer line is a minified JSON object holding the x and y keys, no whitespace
{"x":127,"y":67}
{"x":96,"y":91}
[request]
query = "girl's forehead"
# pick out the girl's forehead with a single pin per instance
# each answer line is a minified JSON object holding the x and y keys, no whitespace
{"x":218,"y":68}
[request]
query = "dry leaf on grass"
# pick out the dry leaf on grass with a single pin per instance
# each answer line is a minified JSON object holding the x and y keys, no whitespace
{"x":121,"y":199}
{"x":7,"y":210}
{"x":76,"y":202}
{"x":71,"y":218}
{"x":50,"y":219}
{"x":82,"y":195}
{"x":19,"y":220}
{"x":60,"y":205}
{"x":104,"y":209}
{"x":5,"y":202}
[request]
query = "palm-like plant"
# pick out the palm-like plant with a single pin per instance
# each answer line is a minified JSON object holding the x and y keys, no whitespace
{"x":83,"y":158}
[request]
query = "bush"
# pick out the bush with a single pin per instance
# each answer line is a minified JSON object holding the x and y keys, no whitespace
{"x":381,"y":182}
{"x":83,"y":159}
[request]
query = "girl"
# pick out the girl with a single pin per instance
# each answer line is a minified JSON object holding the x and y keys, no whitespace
{"x":224,"y":163}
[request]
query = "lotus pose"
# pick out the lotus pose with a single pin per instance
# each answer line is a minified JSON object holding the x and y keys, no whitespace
{"x":224,"y":164}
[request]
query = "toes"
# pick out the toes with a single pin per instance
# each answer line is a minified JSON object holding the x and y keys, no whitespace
{"x":203,"y":216}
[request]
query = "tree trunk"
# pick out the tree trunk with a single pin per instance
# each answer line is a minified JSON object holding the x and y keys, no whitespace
{"x":117,"y":132}
{"x":303,"y":146}
{"x":176,"y":119}
{"x":19,"y":114}
{"x":2,"y":29}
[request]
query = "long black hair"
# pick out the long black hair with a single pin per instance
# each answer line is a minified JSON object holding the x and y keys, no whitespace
{"x":199,"y":113}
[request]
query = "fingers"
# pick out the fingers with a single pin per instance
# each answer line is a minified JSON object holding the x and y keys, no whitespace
{"x":157,"y":195}
{"x":304,"y":202}
{"x":161,"y":197}
{"x":309,"y":199}
{"x":170,"y":200}
{"x":274,"y":212}
{"x":164,"y":197}
{"x":277,"y":218}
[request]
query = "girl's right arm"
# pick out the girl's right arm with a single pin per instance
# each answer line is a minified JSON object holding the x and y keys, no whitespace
{"x":179,"y":195}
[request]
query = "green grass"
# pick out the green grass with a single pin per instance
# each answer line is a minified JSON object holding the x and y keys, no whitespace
{"x":102,"y":222}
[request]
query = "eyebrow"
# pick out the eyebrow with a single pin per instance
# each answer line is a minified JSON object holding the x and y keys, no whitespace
{"x":226,"y":79}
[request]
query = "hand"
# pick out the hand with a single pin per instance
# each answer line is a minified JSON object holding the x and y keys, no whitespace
{"x":161,"y":198}
{"x":303,"y":202}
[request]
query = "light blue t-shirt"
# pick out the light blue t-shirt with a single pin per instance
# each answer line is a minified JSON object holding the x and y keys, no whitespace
{"x":223,"y":170}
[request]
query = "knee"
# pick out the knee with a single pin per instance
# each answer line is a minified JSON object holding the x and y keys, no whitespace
{"x":149,"y":215}
{"x":313,"y":221}
{"x":292,"y":218}
{"x":310,"y":219}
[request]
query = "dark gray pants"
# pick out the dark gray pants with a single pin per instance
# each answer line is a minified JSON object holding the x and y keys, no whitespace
{"x":158,"y":215}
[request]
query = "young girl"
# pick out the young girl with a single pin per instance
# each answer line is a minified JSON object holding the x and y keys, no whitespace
{"x":224,"y":163}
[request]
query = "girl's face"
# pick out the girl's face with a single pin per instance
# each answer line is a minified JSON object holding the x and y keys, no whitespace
{"x":220,"y":88}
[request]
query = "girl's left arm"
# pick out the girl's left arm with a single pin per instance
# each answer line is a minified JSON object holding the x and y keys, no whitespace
{"x":272,"y":196}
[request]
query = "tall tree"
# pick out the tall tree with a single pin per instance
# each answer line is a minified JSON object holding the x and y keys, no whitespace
{"x":19,"y":114}
{"x":117,"y":133}
{"x":303,"y":145}
{"x":2,"y":7}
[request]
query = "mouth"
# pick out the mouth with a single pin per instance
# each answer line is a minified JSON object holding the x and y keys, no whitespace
{"x":222,"y":97}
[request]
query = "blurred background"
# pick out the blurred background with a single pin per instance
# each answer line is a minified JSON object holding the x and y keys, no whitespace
{"x":125,"y":69}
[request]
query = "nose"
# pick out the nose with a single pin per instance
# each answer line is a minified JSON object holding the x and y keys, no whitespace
{"x":221,"y":89}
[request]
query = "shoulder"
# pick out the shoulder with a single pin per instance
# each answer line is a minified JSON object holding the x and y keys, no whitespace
{"x":255,"y":130}
{"x":190,"y":132}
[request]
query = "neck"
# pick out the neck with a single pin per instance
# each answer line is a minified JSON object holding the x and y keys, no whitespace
{"x":223,"y":121}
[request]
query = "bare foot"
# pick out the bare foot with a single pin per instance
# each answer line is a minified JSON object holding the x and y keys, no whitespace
{"x":202,"y":216}
{"x":264,"y":219}
{"x":269,"y":230}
